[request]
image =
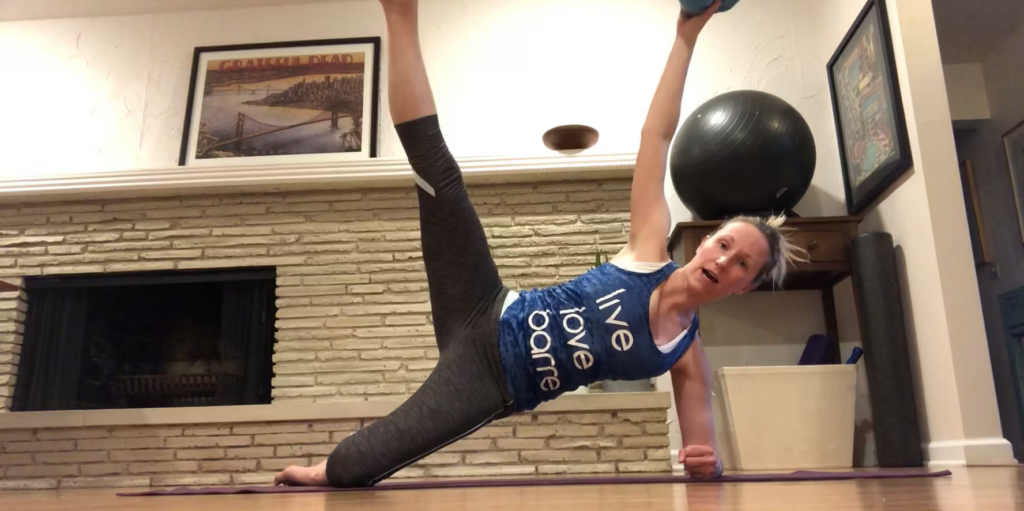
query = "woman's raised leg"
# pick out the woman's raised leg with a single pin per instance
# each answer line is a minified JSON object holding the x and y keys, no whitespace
{"x":465,"y":390}
{"x":462,"y":277}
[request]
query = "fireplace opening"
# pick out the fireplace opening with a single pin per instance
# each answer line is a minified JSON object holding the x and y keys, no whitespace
{"x":147,"y":340}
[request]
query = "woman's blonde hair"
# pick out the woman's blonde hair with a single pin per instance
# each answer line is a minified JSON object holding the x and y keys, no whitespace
{"x":781,"y":249}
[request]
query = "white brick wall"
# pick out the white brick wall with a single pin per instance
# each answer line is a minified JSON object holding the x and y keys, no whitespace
{"x":353,"y":311}
{"x":353,"y":325}
{"x":12,"y":319}
{"x":246,"y":454}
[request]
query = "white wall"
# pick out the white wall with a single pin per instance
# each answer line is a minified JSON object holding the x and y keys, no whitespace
{"x":983,"y":145}
{"x":781,"y":48}
{"x":1004,"y":79}
{"x":925,"y":213}
{"x":965,"y":85}
{"x":110,"y":93}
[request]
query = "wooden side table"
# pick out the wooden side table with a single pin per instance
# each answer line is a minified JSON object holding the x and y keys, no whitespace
{"x":827,"y":241}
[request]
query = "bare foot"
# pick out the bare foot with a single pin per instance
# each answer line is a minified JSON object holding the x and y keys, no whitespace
{"x":303,"y":476}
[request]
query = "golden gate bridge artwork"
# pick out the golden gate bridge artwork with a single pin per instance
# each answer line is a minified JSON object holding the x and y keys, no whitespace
{"x":298,"y":116}
{"x":283,"y":102}
{"x":247,"y":128}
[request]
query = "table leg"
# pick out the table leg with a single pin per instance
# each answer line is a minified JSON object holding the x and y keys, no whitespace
{"x":828,"y":304}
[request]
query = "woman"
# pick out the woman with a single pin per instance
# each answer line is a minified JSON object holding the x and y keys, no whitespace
{"x":503,"y":352}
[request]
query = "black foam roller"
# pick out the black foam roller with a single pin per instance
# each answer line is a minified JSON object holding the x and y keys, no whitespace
{"x":886,"y":354}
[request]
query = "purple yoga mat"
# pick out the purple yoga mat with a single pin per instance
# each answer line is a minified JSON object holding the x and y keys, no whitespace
{"x":550,"y":481}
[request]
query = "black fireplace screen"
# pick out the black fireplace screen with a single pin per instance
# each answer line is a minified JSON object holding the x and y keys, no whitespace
{"x":147,"y":340}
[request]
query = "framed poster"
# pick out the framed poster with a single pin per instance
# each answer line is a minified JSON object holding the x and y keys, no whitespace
{"x":874,"y":148}
{"x":975,"y":219}
{"x":281,"y":103}
{"x":1013,"y":141}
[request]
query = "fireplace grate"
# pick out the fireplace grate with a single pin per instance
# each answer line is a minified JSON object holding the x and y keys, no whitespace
{"x":176,"y":390}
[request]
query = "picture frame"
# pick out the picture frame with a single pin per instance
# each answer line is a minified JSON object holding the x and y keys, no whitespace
{"x":294,"y":102}
{"x":1013,"y":143}
{"x":871,"y":129}
{"x":975,"y":219}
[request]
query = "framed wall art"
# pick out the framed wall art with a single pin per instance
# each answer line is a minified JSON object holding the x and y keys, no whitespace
{"x":283,"y":103}
{"x":1013,"y":141}
{"x":874,"y":148}
{"x":975,"y":219}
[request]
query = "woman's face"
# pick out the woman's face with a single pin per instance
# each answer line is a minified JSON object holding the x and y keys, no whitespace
{"x":727,"y":262}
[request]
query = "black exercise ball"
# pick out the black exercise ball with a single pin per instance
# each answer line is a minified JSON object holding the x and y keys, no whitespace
{"x":742,"y":152}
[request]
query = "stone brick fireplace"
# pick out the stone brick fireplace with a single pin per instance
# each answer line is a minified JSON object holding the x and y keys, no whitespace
{"x":147,"y":340}
{"x":353,"y":333}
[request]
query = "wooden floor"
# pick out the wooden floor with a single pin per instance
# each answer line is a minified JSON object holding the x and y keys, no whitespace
{"x":987,"y":489}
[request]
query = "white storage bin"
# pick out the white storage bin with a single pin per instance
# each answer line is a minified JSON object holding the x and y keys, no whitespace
{"x":785,"y":417}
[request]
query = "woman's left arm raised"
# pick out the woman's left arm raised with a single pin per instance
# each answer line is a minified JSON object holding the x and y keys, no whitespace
{"x":649,"y":212}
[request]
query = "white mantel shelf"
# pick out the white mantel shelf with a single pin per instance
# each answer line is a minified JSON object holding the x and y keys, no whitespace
{"x":375,"y":173}
{"x":284,"y":412}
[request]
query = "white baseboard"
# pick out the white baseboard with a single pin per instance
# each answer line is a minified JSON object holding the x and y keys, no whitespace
{"x":981,"y":452}
{"x":978,"y":452}
{"x":676,"y":466}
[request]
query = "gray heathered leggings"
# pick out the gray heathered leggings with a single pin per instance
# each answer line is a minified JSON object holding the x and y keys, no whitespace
{"x":466,"y":390}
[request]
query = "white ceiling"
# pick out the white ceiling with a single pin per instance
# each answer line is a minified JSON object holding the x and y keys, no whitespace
{"x":12,"y":10}
{"x":970,"y":29}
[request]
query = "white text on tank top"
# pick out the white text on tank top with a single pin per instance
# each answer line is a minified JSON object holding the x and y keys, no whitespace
{"x":540,"y":340}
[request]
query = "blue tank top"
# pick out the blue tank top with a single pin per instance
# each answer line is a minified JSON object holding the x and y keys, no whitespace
{"x":595,"y":327}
